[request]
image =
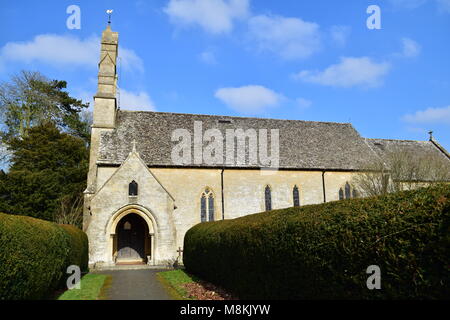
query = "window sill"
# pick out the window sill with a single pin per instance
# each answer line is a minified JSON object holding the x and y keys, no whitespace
{"x":132,"y":199}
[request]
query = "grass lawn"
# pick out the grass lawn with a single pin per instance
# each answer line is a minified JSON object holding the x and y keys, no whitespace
{"x":91,"y":288}
{"x":174,"y":280}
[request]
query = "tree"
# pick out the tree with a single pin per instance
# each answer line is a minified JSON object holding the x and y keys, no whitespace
{"x":4,"y":155}
{"x":31,"y":99}
{"x":47,"y":175}
{"x":402,"y":170}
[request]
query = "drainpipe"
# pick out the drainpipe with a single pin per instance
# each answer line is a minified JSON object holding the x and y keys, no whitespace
{"x":221,"y":186}
{"x":323,"y":187}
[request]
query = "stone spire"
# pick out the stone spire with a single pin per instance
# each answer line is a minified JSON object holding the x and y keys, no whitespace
{"x":105,"y":104}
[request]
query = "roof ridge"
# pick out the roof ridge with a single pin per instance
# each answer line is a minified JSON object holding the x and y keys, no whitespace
{"x":439,"y":147}
{"x":240,"y":117}
{"x":371,"y":149}
{"x":403,"y":140}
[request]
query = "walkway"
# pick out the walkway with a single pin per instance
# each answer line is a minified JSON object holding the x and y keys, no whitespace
{"x":135,"y":285}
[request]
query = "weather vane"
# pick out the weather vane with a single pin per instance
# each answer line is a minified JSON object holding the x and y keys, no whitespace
{"x":109,"y":12}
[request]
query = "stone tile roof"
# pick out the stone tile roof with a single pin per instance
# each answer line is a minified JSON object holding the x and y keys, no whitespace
{"x":424,"y":152}
{"x":418,"y":148}
{"x":303,"y":144}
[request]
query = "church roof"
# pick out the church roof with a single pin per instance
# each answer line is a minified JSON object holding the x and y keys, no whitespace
{"x":303,"y":144}
{"x":419,"y":148}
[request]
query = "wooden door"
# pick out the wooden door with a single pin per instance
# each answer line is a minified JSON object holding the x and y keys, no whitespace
{"x":131,"y":237}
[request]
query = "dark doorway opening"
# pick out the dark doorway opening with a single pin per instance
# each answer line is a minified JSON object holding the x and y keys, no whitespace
{"x":132,"y":233}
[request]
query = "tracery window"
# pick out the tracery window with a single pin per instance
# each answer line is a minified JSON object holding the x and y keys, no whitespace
{"x":341,"y":194}
{"x":348,"y":192}
{"x":296,"y":196}
{"x":207,"y":206}
{"x":268,"y":198}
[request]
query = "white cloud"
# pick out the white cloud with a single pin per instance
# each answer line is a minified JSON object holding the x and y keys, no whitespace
{"x":339,"y":34}
{"x":139,"y":101}
{"x":68,"y":51}
{"x":214,"y":16}
{"x":303,"y":103}
{"x":430,"y":115}
{"x":410,"y":48}
{"x":252,"y":99}
{"x":292,"y":38}
{"x":407,"y":4}
{"x":444,"y":5}
{"x":208,"y":57}
{"x":85,"y":95}
{"x":129,"y":60}
{"x":53,"y":49}
{"x":135,"y":101}
{"x":349,"y":72}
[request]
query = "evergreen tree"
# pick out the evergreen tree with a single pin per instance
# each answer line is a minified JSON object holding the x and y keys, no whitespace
{"x":49,"y":169}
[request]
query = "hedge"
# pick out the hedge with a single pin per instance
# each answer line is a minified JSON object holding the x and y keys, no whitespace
{"x":34,"y":256}
{"x":79,"y":247}
{"x":323,"y":251}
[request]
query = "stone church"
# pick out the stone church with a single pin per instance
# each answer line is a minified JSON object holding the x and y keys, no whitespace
{"x":140,"y":200}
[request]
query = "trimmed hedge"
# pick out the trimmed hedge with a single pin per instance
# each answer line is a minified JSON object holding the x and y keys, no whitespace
{"x":79,"y":247}
{"x":34,"y":256}
{"x":323,"y":251}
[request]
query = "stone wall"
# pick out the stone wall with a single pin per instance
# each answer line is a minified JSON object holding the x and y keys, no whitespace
{"x":243,"y":194}
{"x":153,"y":203}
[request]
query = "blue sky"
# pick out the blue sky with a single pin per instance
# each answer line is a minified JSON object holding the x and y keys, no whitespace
{"x":290,"y":59}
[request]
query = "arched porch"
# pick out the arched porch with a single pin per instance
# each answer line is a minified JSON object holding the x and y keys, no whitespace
{"x":132,"y":239}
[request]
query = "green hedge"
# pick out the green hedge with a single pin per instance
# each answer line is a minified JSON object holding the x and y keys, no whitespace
{"x":34,"y":255}
{"x":79,"y":247}
{"x":323,"y":251}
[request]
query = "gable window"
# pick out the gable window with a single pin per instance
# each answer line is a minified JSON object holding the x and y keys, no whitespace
{"x":268,"y":198}
{"x":296,"y":197}
{"x":207,"y":206}
{"x":133,"y":188}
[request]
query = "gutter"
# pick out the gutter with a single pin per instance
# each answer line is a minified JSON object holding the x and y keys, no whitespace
{"x":221,"y":187}
{"x":323,"y":187}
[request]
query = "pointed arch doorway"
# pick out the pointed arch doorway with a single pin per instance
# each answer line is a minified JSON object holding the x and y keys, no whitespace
{"x":132,"y":240}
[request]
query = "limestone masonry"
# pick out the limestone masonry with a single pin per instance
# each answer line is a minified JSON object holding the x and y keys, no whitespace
{"x":139,"y":203}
